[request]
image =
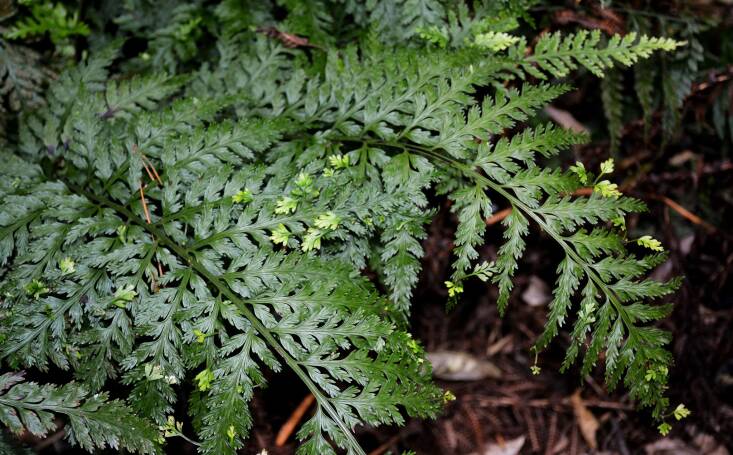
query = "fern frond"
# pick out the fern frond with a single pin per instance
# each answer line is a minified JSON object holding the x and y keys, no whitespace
{"x":162,"y":231}
{"x":613,"y":108}
{"x":556,"y":55}
{"x":93,"y":421}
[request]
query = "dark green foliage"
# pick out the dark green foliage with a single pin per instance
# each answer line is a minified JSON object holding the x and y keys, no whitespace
{"x":22,"y":79}
{"x":663,"y":83}
{"x":94,"y":421}
{"x":160,"y":230}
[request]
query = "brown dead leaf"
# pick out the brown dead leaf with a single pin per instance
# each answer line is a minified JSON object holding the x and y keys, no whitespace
{"x":669,"y":446}
{"x":287,"y":39}
{"x":461,"y":366}
{"x":587,"y":422}
{"x":511,"y":447}
{"x":565,"y":119}
{"x":501,"y":345}
{"x":683,"y":157}
{"x":537,"y":293}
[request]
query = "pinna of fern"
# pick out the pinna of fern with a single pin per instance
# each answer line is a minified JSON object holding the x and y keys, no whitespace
{"x":157,"y":239}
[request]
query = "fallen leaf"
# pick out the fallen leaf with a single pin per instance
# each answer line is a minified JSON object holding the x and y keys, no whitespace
{"x":707,"y":445}
{"x":683,"y":157}
{"x":669,"y":446}
{"x":537,"y":292}
{"x":461,"y":366}
{"x":698,"y":443}
{"x":502,"y":345}
{"x":587,"y":422}
{"x":565,"y":119}
{"x":685,"y":244}
{"x":511,"y":447}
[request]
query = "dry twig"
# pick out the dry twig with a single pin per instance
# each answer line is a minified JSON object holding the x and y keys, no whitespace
{"x":289,"y":426}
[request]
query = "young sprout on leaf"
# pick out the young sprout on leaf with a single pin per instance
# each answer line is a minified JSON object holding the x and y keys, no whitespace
{"x":656,"y":374}
{"x":494,"y":41}
{"x":243,"y":197}
{"x":304,"y":180}
{"x":286,"y":205}
{"x":579,"y":170}
{"x":681,"y":412}
{"x":339,"y":161}
{"x":647,"y":241}
{"x":413,"y":344}
{"x":607,"y":167}
{"x":204,"y":379}
{"x":328,"y":220}
{"x":607,"y":189}
{"x":312,"y":240}
{"x":171,"y":429}
{"x":67,"y":266}
{"x":36,"y":288}
{"x":453,"y":288}
{"x":280,"y":235}
{"x":200,"y":336}
{"x":124,"y":295}
{"x":535,"y":369}
{"x":484,"y":271}
{"x":664,"y":428}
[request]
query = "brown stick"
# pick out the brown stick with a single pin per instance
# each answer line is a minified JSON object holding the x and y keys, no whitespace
{"x":545,"y":403}
{"x":384,"y":447}
{"x":153,"y":174}
{"x":152,"y":168}
{"x":583,"y":192}
{"x":686,"y":214}
{"x":148,"y":171}
{"x":148,"y":165}
{"x":498,"y":216}
{"x":51,"y":440}
{"x":501,"y":214}
{"x":288,"y":427}
{"x":145,"y":204}
{"x":552,"y":434}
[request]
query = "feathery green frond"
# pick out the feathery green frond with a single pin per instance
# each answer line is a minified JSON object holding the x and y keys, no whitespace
{"x":94,"y":421}
{"x":173,"y":233}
